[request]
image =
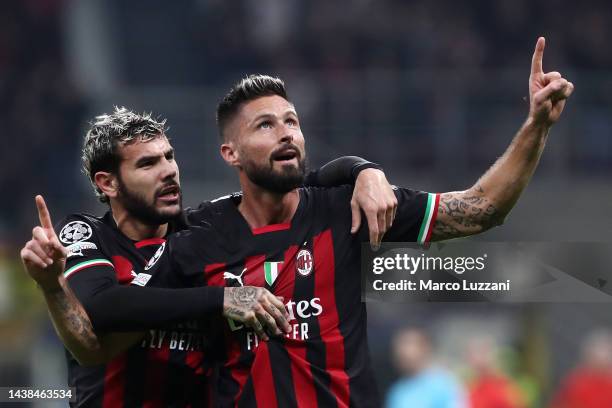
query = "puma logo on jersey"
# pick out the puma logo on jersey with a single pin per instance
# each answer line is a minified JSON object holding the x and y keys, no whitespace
{"x":229,"y":275}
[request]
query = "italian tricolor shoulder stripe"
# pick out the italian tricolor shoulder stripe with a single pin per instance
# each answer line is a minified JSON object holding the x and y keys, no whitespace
{"x":87,"y":264}
{"x":431,"y":212}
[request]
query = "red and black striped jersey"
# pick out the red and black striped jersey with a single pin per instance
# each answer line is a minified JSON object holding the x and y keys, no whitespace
{"x":167,"y":368}
{"x":313,"y":262}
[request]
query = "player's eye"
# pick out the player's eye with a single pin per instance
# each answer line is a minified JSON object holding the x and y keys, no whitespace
{"x":266,"y":124}
{"x":291,"y":122}
{"x":145,"y":163}
{"x":170,"y":156}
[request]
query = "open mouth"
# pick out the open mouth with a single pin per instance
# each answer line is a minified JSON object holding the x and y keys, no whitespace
{"x":169,"y":194}
{"x":285,"y":155}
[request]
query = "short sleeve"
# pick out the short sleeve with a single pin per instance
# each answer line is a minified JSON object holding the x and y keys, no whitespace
{"x":415,"y":217}
{"x":88,"y":268}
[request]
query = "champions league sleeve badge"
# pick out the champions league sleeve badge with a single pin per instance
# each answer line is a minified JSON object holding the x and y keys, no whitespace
{"x":75,"y":231}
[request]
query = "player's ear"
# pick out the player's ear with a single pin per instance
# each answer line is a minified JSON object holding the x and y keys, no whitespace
{"x":107,"y":183}
{"x":230,"y":154}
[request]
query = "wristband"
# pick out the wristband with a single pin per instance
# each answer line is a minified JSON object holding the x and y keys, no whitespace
{"x":359,"y":167}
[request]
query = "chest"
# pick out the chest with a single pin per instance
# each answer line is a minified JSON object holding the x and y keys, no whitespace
{"x":290,"y":268}
{"x":133,"y":261}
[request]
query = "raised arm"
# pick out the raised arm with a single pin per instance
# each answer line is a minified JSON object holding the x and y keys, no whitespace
{"x":488,"y":202}
{"x":44,"y":259}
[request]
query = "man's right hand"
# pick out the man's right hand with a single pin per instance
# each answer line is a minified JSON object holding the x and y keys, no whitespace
{"x":44,"y":257}
{"x":257,"y":308}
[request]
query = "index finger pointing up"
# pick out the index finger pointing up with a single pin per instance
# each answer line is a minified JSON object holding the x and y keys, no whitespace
{"x":538,"y":54}
{"x":43,"y":213}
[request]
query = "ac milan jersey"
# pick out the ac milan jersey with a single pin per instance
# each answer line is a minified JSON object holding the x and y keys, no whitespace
{"x":167,"y":368}
{"x":313,"y":262}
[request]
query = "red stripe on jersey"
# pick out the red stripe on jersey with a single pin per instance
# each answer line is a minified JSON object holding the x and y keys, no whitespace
{"x":263,"y":382}
{"x":150,"y":241}
{"x":271,"y":228}
{"x":303,"y":383}
{"x":285,"y":282}
{"x":156,"y":373}
{"x":114,"y":382}
{"x":254,"y":275}
{"x":123,"y":269}
{"x":329,"y":322}
{"x":194,"y":360}
{"x":213,"y":275}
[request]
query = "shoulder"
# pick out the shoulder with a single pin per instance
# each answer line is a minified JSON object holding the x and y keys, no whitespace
{"x":335,"y":195}
{"x":87,"y":239}
{"x":330,"y":205}
{"x":202,"y":224}
{"x":206,"y":209}
{"x":80,"y":227}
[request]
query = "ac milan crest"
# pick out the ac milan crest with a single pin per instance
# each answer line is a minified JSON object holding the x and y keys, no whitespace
{"x":304,"y":262}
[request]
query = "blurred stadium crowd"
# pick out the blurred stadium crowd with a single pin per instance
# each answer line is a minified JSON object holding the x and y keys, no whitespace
{"x":418,"y":86}
{"x":426,"y":74}
{"x":45,"y":100}
{"x":489,"y":376}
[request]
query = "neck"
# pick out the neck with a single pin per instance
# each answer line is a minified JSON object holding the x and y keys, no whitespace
{"x":261,"y":207}
{"x":133,"y":228}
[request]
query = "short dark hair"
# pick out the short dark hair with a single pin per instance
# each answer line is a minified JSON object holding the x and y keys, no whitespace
{"x":107,"y":132}
{"x":247,"y":89}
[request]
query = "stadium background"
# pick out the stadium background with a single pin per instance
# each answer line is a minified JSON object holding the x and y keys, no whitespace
{"x":434,"y":91}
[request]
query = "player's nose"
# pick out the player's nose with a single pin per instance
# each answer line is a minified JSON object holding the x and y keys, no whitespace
{"x":286,"y":135}
{"x":169,"y":170}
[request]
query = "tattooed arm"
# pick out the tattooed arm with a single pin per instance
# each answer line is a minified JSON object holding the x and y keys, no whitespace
{"x":462,"y":213}
{"x":489,"y":201}
{"x":75,"y":329}
{"x":44,"y":259}
{"x":70,"y":320}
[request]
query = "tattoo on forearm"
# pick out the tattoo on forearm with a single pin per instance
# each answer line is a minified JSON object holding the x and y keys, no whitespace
{"x":77,"y":323}
{"x":464,"y":213}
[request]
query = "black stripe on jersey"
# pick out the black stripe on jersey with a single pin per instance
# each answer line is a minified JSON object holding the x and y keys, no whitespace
{"x":280,"y":364}
{"x":186,"y":385}
{"x":177,"y":388}
{"x":86,"y":381}
{"x":247,"y":398}
{"x":135,"y":376}
{"x":304,"y":289}
{"x":356,"y":350}
{"x":228,"y":388}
